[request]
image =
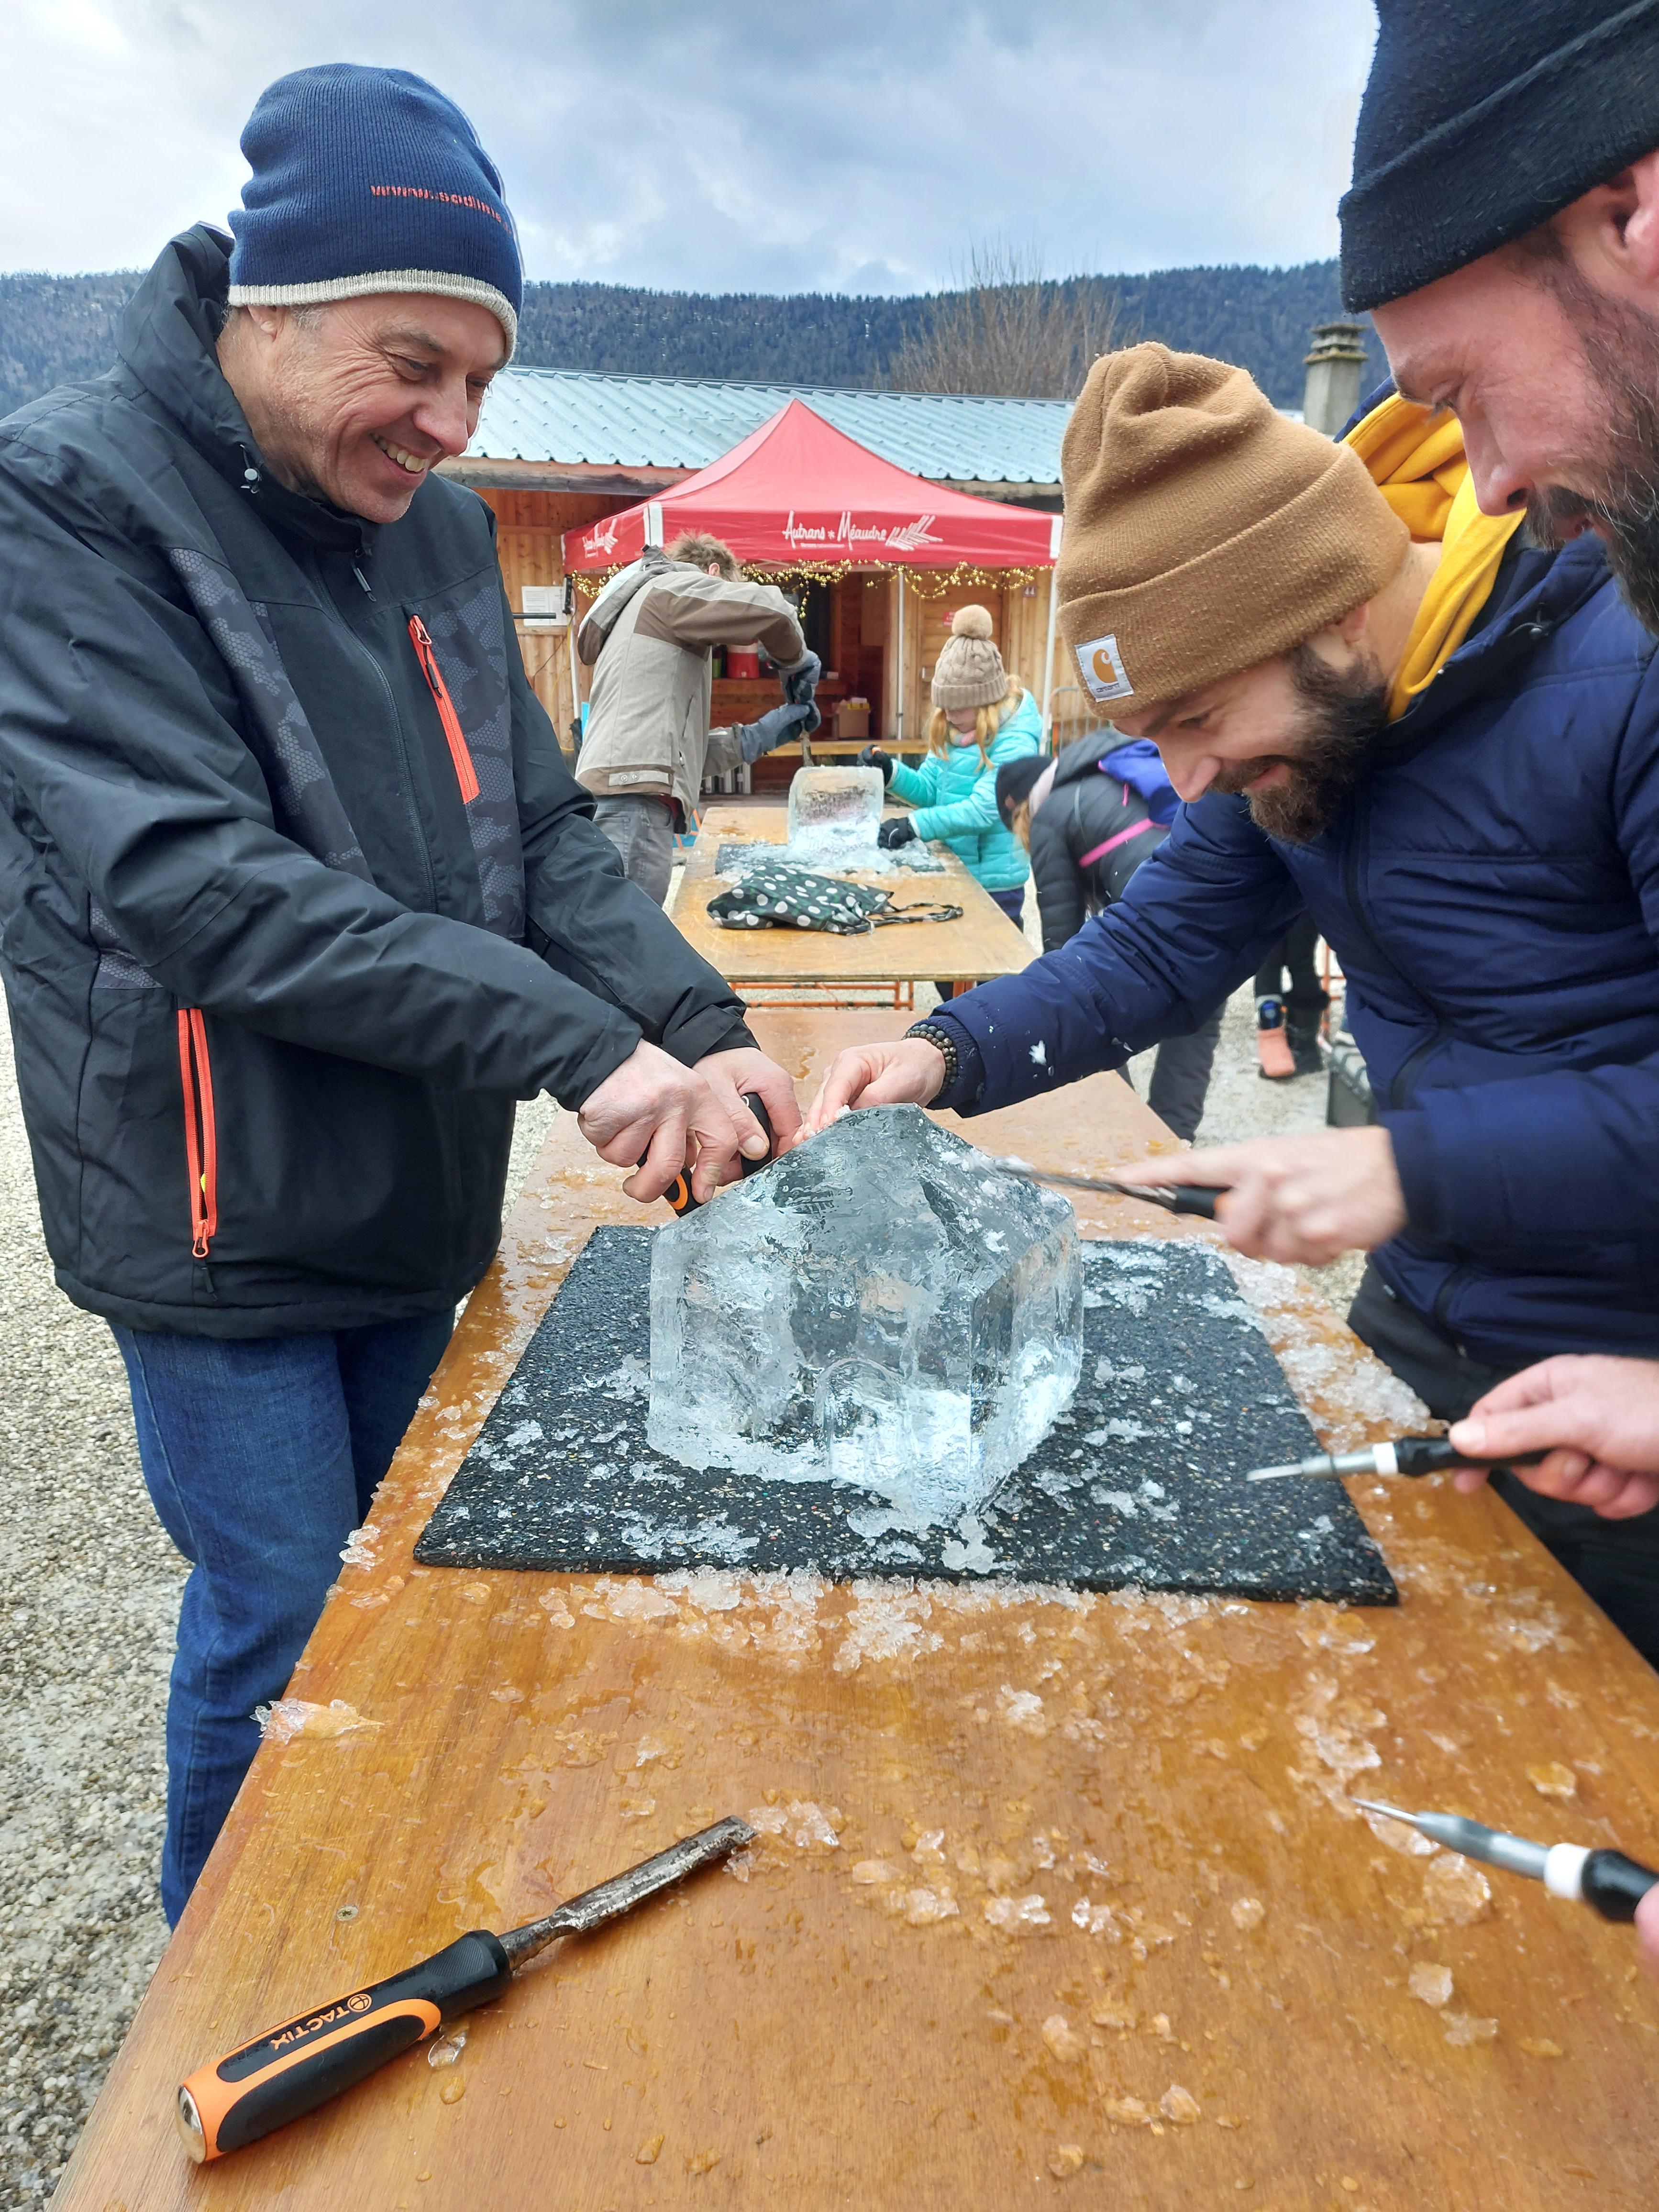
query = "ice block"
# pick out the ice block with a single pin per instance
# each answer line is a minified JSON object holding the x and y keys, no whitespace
{"x":882,"y":1307}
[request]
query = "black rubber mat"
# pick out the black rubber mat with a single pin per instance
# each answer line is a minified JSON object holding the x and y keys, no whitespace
{"x":1139,"y":1482}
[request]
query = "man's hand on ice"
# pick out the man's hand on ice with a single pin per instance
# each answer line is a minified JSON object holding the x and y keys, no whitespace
{"x":910,"y":1072}
{"x":1597,"y":1417}
{"x":653,"y":1106}
{"x":1301,"y":1199}
{"x":733,"y":1075}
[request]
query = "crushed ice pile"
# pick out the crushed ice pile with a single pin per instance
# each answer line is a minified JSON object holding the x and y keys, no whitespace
{"x":880,"y":1308}
{"x":834,"y":816}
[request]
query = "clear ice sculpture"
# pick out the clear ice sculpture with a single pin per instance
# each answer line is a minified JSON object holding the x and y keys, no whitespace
{"x":881,"y":1307}
{"x":835,"y":811}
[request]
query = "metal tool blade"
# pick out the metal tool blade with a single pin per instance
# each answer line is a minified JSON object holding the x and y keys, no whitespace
{"x":1470,"y":1839}
{"x":1389,"y":1811}
{"x":1159,"y":1195}
{"x":1324,"y":1466}
{"x":610,"y":1899}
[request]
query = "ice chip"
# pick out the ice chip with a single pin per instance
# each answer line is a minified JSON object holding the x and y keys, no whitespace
{"x":1431,"y":1983}
{"x":1456,"y":1890}
{"x":840,"y":1316}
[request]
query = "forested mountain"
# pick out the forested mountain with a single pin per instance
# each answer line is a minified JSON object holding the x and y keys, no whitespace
{"x":56,"y":327}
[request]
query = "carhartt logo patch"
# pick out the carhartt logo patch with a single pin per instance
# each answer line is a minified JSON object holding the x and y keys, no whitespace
{"x":1101,"y":665}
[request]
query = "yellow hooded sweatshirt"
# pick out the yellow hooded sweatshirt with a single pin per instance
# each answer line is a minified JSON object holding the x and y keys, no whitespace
{"x":1415,"y":456}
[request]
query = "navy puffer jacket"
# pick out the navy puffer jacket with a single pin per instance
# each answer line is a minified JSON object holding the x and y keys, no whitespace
{"x":1492,"y":893}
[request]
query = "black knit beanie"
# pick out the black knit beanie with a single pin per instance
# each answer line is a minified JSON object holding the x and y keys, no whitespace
{"x":1014,"y":781}
{"x":1481,"y":120}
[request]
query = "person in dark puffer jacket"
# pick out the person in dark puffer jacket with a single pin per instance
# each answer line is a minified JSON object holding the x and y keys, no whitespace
{"x":1501,"y":228}
{"x":298,"y":896}
{"x":1384,"y":707}
{"x":1088,"y":819}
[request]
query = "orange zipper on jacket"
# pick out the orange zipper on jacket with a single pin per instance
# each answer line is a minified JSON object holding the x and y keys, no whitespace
{"x":201,"y":1140}
{"x":465,"y":775}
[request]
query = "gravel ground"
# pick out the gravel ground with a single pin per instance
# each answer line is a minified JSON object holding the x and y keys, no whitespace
{"x":88,"y":1597}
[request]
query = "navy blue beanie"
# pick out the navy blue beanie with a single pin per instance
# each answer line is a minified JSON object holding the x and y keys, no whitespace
{"x":369,"y":180}
{"x":1481,"y":120}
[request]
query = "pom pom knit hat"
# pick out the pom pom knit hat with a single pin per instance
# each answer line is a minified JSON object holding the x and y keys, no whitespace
{"x":970,"y":671}
{"x":369,"y":180}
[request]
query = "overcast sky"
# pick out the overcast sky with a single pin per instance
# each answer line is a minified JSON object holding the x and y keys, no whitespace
{"x":845,"y":145}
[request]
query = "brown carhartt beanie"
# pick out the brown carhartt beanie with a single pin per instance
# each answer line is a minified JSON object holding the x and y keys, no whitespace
{"x":969,"y":670}
{"x":1204,"y":531}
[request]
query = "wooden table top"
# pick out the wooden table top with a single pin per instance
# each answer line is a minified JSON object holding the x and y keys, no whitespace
{"x":1055,"y":1890}
{"x":982,"y":944}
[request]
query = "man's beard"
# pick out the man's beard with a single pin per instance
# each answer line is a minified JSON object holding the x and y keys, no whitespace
{"x":1340,"y":711}
{"x":1621,"y":350}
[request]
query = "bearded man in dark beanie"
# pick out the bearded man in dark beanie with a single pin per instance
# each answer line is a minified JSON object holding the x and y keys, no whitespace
{"x":1503,"y":228}
{"x":1384,"y":707}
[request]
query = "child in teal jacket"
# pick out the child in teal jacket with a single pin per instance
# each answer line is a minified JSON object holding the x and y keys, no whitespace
{"x":982,"y":718}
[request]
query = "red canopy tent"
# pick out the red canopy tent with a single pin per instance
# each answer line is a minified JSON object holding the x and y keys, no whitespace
{"x":797,"y":490}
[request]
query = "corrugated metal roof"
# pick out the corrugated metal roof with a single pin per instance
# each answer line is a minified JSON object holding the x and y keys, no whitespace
{"x":684,"y":422}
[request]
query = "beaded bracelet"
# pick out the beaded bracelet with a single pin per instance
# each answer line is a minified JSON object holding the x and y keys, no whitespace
{"x":943,"y":1043}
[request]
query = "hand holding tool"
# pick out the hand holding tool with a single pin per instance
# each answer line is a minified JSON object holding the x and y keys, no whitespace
{"x":1614,"y":1884}
{"x":1174,"y":1198}
{"x":293,"y":2068}
{"x":1412,"y":1455}
{"x":678,"y":1193}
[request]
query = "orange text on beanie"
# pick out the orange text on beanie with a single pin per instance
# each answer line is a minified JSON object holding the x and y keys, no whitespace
{"x":1204,"y":531}
{"x":970,"y":673}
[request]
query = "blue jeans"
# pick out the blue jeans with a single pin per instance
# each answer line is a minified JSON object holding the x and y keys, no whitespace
{"x":261,"y":1455}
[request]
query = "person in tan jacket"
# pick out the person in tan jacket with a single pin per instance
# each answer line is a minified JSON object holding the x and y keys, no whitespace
{"x":649,"y":636}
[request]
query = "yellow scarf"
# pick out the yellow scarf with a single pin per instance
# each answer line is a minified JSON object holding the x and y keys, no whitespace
{"x":1416,"y":459}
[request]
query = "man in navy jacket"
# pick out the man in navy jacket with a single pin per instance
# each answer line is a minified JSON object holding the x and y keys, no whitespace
{"x":1503,"y":228}
{"x":1446,"y":747}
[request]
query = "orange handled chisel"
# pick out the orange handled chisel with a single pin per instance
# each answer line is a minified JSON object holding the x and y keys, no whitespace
{"x":293,"y":2068}
{"x":678,"y":1193}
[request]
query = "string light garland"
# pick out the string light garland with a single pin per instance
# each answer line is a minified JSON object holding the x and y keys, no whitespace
{"x":926,"y":583}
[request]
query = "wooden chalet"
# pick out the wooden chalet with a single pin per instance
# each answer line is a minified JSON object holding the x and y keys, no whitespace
{"x":559,"y":450}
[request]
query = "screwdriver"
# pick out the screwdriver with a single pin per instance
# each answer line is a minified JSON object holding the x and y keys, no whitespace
{"x":1174,"y":1198}
{"x":293,"y":2068}
{"x":678,"y":1193}
{"x":1411,"y":1455}
{"x":1614,"y":1884}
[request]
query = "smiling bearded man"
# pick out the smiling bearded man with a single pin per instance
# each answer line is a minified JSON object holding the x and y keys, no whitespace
{"x":1383,"y":708}
{"x":298,"y":896}
{"x":1293,"y":792}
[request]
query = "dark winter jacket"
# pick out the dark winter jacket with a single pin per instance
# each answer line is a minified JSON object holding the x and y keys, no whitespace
{"x":1492,"y":893}
{"x":1088,"y":837}
{"x":297,"y":895}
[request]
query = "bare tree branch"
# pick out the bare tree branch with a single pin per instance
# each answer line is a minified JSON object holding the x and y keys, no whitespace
{"x":1007,"y":328}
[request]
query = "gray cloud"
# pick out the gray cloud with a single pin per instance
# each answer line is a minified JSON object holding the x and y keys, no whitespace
{"x":858,"y":145}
